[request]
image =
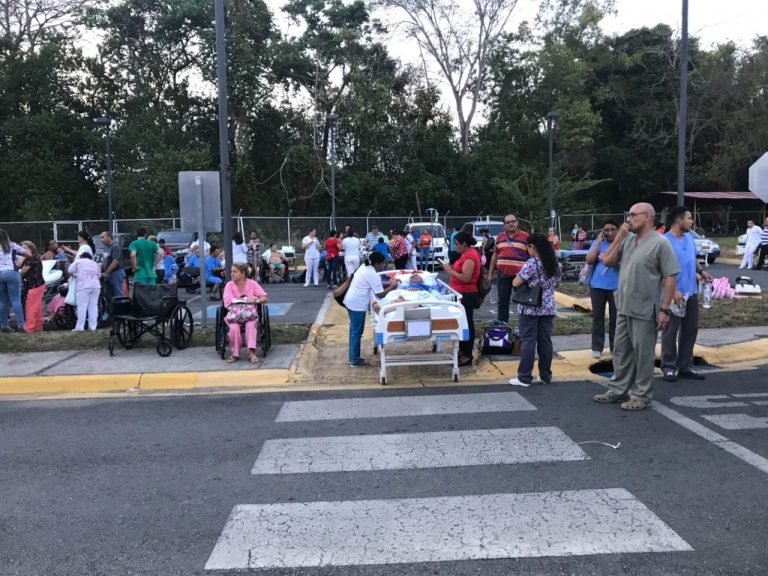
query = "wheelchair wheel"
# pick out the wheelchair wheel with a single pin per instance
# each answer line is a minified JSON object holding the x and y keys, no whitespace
{"x":221,"y":335}
{"x":125,"y":330}
{"x":181,"y":326}
{"x":164,"y":347}
{"x":265,"y":336}
{"x":104,"y":316}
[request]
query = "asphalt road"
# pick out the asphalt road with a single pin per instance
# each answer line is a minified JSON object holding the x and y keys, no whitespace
{"x":147,"y":486}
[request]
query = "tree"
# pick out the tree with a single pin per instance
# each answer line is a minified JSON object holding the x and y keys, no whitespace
{"x":460,"y":46}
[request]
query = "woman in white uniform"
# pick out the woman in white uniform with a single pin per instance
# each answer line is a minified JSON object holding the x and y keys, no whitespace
{"x":351,"y":247}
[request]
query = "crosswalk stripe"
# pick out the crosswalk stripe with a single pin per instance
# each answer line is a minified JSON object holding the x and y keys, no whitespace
{"x":345,"y":533}
{"x":416,"y":450}
{"x":347,"y":408}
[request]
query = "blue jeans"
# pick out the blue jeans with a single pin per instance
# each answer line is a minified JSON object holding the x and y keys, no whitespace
{"x":10,"y":295}
{"x":356,"y":327}
{"x":114,"y":285}
{"x":425,"y":253}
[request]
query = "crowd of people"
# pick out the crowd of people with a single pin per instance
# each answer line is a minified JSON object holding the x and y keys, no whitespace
{"x":648,"y":282}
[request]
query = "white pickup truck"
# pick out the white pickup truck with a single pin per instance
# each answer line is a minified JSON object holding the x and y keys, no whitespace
{"x":439,"y":248}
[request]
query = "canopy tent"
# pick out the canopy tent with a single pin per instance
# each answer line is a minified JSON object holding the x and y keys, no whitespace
{"x":747,"y":201}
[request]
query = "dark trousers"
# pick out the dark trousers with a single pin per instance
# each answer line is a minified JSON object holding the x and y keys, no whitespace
{"x":679,"y":356}
{"x":330,"y":271}
{"x":535,"y":335}
{"x":504,"y":284}
{"x":468,"y":300}
{"x":402,"y":262}
{"x":599,"y":298}
{"x":762,"y":252}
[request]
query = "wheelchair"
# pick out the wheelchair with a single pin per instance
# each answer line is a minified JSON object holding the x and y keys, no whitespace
{"x":156,"y":310}
{"x":263,"y":334}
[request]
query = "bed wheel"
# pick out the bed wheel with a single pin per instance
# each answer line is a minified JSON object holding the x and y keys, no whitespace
{"x":375,"y":349}
{"x":455,"y":377}
{"x":383,"y":380}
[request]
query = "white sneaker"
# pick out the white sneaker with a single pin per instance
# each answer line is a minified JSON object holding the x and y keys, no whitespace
{"x":516,"y":382}
{"x":612,"y":378}
{"x":596,"y":354}
{"x":537,"y":380}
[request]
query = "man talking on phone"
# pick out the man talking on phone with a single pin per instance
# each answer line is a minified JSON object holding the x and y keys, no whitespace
{"x":510,"y":253}
{"x":648,"y":269}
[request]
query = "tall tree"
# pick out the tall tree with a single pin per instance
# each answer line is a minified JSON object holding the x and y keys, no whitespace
{"x":460,"y":44}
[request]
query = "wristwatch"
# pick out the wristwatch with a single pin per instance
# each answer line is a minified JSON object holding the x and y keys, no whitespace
{"x":665,"y":310}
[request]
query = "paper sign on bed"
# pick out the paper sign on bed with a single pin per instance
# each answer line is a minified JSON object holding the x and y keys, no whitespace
{"x":418,"y":323}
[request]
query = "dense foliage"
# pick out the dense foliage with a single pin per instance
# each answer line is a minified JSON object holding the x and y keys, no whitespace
{"x":150,"y":66}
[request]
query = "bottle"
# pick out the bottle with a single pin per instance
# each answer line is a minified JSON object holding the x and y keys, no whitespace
{"x":707,"y":304}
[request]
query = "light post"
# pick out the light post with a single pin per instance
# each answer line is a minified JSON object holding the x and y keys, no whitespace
{"x":551,"y":119}
{"x":106,"y":121}
{"x":331,"y":119}
{"x":683,"y":107}
{"x":224,"y":168}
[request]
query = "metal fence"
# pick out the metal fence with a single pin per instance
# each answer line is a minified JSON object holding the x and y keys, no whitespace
{"x":290,"y":229}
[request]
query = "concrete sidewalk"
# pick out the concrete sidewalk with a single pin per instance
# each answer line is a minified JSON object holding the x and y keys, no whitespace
{"x":319,"y":363}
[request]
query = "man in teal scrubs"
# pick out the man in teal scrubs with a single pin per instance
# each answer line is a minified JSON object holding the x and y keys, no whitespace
{"x":144,"y":256}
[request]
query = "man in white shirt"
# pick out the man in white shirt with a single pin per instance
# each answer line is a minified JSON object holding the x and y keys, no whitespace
{"x":366,"y":281}
{"x":753,"y":243}
{"x":311,"y":246}
{"x":351,"y":246}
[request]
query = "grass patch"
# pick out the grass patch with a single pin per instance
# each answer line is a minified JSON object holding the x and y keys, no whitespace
{"x":58,"y":340}
{"x":573,"y":289}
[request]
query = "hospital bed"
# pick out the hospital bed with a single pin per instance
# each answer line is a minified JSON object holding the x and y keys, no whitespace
{"x":436,"y":317}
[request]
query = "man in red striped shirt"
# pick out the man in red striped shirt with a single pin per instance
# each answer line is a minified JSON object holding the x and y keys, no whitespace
{"x":509,"y":255}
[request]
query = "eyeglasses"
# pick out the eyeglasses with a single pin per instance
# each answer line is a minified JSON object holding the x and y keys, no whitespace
{"x":510,"y":221}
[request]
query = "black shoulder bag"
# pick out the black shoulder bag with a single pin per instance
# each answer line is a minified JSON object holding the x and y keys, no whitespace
{"x":528,"y":295}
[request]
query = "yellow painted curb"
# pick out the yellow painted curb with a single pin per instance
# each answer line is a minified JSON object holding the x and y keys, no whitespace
{"x":567,"y":301}
{"x":156,"y":381}
{"x":63,"y":384}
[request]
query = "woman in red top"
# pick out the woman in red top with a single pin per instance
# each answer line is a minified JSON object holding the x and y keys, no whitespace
{"x":399,"y":250}
{"x":332,"y":249}
{"x":463,"y":278}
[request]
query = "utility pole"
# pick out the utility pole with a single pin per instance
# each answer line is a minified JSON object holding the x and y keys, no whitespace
{"x":225,"y":170}
{"x":331,"y":119}
{"x":106,"y":121}
{"x":551,"y":119}
{"x":682,"y":129}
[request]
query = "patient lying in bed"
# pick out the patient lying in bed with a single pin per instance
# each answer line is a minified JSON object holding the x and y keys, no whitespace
{"x":414,"y":288}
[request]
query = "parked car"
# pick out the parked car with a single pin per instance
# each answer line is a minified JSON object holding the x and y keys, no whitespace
{"x":439,"y":243}
{"x":177,"y":240}
{"x":494,"y":227}
{"x":705,"y":247}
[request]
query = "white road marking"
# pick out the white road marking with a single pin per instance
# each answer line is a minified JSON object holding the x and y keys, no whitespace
{"x":365,"y":532}
{"x":738,"y":421}
{"x":416,"y":450}
{"x":705,"y":402}
{"x":745,"y":454}
{"x":402,"y":406}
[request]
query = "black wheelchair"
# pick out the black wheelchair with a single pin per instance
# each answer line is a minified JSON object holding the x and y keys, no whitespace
{"x":156,"y":310}
{"x":263,"y":334}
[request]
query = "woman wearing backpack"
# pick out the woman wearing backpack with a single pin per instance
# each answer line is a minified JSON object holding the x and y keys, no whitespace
{"x":535,"y":322}
{"x":463,"y":278}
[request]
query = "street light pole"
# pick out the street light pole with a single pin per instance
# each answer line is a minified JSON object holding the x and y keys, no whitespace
{"x":551,"y":118}
{"x":107,"y":122}
{"x":683,"y":107}
{"x":224,"y":167}
{"x":331,"y":119}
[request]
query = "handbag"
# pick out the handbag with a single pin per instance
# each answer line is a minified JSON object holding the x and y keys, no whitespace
{"x":483,"y":288}
{"x":71,"y":298}
{"x":585,"y":274}
{"x":528,"y":295}
{"x":341,"y":291}
{"x":240,"y":313}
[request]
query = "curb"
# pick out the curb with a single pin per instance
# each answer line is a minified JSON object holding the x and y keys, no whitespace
{"x":138,"y":382}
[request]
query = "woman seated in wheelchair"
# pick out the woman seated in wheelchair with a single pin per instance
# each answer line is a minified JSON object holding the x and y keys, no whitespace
{"x":241,"y":296}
